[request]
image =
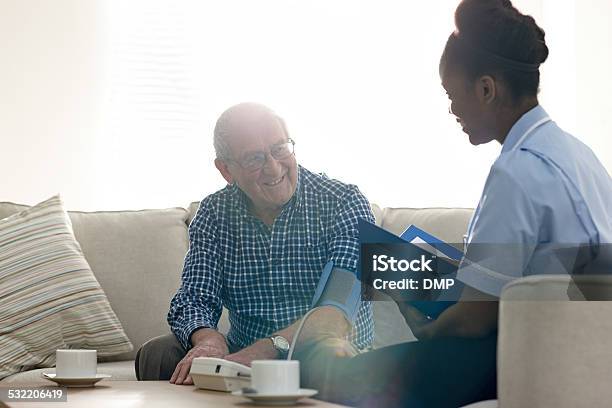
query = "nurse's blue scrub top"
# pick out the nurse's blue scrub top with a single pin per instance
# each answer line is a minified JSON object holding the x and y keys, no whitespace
{"x":546,"y":194}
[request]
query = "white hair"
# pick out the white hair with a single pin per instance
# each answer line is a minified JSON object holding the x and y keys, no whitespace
{"x":223,"y":125}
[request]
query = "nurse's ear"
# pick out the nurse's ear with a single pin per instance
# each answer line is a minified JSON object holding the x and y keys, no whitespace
{"x":486,"y":89}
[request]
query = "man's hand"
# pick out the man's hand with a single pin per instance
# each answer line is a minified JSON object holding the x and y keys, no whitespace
{"x":260,"y":350}
{"x":207,"y":343}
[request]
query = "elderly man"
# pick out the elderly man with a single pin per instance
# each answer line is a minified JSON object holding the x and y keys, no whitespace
{"x":258,"y":247}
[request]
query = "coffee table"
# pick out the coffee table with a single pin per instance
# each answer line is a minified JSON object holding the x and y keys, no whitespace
{"x":154,"y":394}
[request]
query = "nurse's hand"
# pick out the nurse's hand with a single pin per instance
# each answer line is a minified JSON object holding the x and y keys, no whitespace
{"x":471,"y":319}
{"x":417,"y":321}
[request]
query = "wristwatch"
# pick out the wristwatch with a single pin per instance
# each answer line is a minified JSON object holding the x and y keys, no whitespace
{"x":280,"y":344}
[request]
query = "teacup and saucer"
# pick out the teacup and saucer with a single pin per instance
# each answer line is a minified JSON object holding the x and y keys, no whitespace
{"x":275,"y":382}
{"x":75,"y":368}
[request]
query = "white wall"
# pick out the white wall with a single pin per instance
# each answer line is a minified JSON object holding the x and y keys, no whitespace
{"x":345,"y":74}
{"x":594,"y":73}
{"x":51,"y":97}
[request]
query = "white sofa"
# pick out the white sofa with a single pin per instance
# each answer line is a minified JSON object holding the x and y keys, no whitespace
{"x":137,"y":257}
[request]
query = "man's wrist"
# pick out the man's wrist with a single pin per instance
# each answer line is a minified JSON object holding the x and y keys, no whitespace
{"x":280,"y":344}
{"x":207,"y":336}
{"x":266,"y":349}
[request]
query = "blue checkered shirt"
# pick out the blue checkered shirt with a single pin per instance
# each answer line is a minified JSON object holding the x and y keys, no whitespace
{"x":266,"y":276}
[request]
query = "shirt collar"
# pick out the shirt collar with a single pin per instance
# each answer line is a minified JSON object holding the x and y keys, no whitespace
{"x":242,"y":201}
{"x":297,"y":199}
{"x":522,"y":125}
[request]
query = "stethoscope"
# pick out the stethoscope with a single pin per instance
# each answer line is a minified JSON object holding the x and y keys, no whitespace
{"x":468,"y":237}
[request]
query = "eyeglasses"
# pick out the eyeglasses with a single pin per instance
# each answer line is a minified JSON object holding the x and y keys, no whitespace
{"x":253,"y":162}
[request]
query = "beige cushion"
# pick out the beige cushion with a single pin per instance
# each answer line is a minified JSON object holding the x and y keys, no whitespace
{"x":50,"y":298}
{"x":193,"y":210}
{"x":553,"y":352}
{"x":378,"y":213}
{"x":118,"y":370}
{"x":137,"y":256}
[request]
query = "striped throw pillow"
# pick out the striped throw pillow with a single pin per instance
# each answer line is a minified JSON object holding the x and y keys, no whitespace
{"x":49,"y":297}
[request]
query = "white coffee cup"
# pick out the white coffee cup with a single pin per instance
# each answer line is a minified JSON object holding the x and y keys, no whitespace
{"x":76,"y":363}
{"x":277,"y":377}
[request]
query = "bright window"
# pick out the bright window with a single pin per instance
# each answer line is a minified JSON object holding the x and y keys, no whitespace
{"x":357,"y":82}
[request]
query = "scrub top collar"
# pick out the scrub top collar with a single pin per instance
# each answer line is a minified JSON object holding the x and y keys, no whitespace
{"x":522,"y":125}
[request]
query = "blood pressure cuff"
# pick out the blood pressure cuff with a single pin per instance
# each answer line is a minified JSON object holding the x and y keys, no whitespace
{"x":339,"y":288}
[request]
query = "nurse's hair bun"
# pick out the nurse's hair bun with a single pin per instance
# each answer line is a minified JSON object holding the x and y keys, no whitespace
{"x":498,"y":27}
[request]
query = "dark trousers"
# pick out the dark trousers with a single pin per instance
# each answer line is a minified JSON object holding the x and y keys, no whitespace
{"x":448,"y":372}
{"x":158,"y":357}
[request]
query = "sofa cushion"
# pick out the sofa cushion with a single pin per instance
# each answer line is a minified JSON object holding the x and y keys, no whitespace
{"x":137,"y":256}
{"x":378,"y":213}
{"x":193,"y":210}
{"x":118,"y":370}
{"x":50,"y":298}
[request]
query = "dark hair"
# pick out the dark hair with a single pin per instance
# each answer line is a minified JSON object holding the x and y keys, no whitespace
{"x":493,"y":37}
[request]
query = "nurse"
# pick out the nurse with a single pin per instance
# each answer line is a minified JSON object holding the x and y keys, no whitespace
{"x":546,"y":207}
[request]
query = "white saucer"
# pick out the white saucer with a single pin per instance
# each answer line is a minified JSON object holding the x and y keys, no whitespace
{"x":276,"y":399}
{"x":81,"y":382}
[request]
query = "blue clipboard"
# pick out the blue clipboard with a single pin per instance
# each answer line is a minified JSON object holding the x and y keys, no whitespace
{"x":371,"y":234}
{"x":450,"y":251}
